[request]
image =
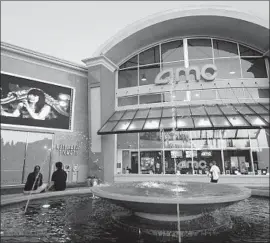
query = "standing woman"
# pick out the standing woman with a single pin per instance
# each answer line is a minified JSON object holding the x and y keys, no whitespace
{"x":33,"y":107}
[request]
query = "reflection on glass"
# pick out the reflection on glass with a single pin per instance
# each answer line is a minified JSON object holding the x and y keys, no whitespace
{"x":149,"y":56}
{"x":132,"y":62}
{"x":148,"y":74}
{"x":197,"y":110}
{"x":127,"y":141}
{"x":136,"y":125}
{"x":108,"y":126}
{"x":228,"y":68}
{"x":122,"y":125}
{"x":151,"y":98}
{"x":151,"y":162}
{"x":117,"y":115}
{"x":184,"y":122}
{"x":219,"y":121}
{"x":170,"y":160}
{"x":237,"y":121}
{"x":199,"y":48}
{"x":253,"y":68}
{"x":247,"y":52}
{"x":151,"y":124}
{"x":11,"y":161}
{"x":131,"y":100}
{"x":224,"y":48}
{"x":203,"y":95}
{"x":202,"y":122}
{"x":150,"y":140}
{"x":127,"y":78}
{"x":172,"y":51}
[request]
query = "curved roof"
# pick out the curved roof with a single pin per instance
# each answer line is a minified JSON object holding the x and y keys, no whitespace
{"x":216,"y":21}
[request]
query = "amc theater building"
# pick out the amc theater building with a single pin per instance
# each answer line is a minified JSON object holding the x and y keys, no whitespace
{"x":168,"y":95}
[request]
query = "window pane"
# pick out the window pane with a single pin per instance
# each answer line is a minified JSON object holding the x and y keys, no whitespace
{"x":228,"y":68}
{"x":202,"y":122}
{"x":178,"y":96}
{"x":117,"y":115}
{"x":243,"y":109}
{"x":122,"y":125}
{"x":185,"y":122}
{"x":131,"y":100}
{"x":258,"y":108}
{"x":199,"y":48}
{"x":132,"y":62}
{"x":253,"y":68}
{"x":151,"y":162}
{"x":148,"y":99}
{"x":127,"y":141}
{"x":136,"y":125}
{"x":127,"y":78}
{"x":148,"y":74}
{"x":149,"y":56}
{"x":213,"y":110}
{"x":129,"y":114}
{"x":150,"y":140}
{"x":198,"y":110}
{"x":219,"y":121}
{"x":155,"y":113}
{"x":167,"y":112}
{"x":167,"y":123}
{"x":203,"y":95}
{"x":108,"y":126}
{"x":142,"y":113}
{"x":183,"y":111}
{"x":229,"y":133}
{"x":172,"y":51}
{"x":237,"y":121}
{"x":228,"y":109}
{"x":255,"y":121}
{"x":263,"y":93}
{"x":224,"y":49}
{"x":247,"y":52}
{"x":152,"y":124}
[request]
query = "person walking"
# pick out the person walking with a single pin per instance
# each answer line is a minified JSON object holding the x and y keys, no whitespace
{"x":215,"y":172}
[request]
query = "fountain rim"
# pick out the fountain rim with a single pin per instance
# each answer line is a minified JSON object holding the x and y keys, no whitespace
{"x":244,"y":194}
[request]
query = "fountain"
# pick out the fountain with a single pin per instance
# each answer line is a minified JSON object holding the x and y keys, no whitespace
{"x":173,"y":209}
{"x":156,"y":205}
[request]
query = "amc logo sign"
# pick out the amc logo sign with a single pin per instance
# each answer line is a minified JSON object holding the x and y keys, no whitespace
{"x":208,"y":73}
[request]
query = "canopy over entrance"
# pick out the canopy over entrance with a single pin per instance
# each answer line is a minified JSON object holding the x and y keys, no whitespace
{"x":214,"y":117}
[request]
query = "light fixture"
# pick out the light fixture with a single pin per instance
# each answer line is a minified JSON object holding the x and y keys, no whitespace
{"x":144,"y":79}
{"x":197,"y":95}
{"x":232,"y":72}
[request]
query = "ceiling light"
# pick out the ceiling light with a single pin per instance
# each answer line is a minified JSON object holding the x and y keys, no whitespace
{"x":232,"y":72}
{"x":197,"y":95}
{"x":144,"y":79}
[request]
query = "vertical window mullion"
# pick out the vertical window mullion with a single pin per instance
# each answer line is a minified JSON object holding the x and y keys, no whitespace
{"x":185,"y":45}
{"x":238,"y":50}
{"x":266,"y":61}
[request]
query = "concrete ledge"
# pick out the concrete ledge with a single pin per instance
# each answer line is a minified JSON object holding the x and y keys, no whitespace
{"x":17,"y":198}
{"x":20,"y":197}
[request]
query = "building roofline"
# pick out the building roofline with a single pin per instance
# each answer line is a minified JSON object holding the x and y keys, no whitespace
{"x":188,"y":10}
{"x":41,"y":57}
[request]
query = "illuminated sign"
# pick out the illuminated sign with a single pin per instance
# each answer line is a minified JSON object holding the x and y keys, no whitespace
{"x":204,"y":73}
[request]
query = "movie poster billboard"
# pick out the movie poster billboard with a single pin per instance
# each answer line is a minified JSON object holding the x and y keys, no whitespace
{"x":35,"y":103}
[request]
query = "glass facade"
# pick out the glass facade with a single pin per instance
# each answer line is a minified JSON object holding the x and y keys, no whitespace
{"x":233,"y":131}
{"x":236,"y":151}
{"x":233,"y":61}
{"x":31,"y":149}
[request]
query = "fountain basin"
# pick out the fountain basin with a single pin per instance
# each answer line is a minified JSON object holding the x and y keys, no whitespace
{"x":159,"y":200}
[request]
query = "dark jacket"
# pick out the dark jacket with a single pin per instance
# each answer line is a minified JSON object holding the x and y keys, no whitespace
{"x":59,"y":178}
{"x":30,"y":181}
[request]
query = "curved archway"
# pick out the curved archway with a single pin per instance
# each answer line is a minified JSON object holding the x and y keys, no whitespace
{"x":219,"y":21}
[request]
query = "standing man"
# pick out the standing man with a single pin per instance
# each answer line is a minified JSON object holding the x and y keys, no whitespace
{"x":59,"y":178}
{"x":215,"y":171}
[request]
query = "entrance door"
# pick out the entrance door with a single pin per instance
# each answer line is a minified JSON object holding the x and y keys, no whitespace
{"x":134,"y":162}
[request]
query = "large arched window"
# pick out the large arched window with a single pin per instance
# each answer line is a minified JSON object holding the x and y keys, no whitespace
{"x":233,"y":60}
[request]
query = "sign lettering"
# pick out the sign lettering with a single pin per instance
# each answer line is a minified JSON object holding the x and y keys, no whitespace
{"x":169,"y":72}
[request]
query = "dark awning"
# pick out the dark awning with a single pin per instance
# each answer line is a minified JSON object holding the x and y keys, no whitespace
{"x":202,"y":117}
